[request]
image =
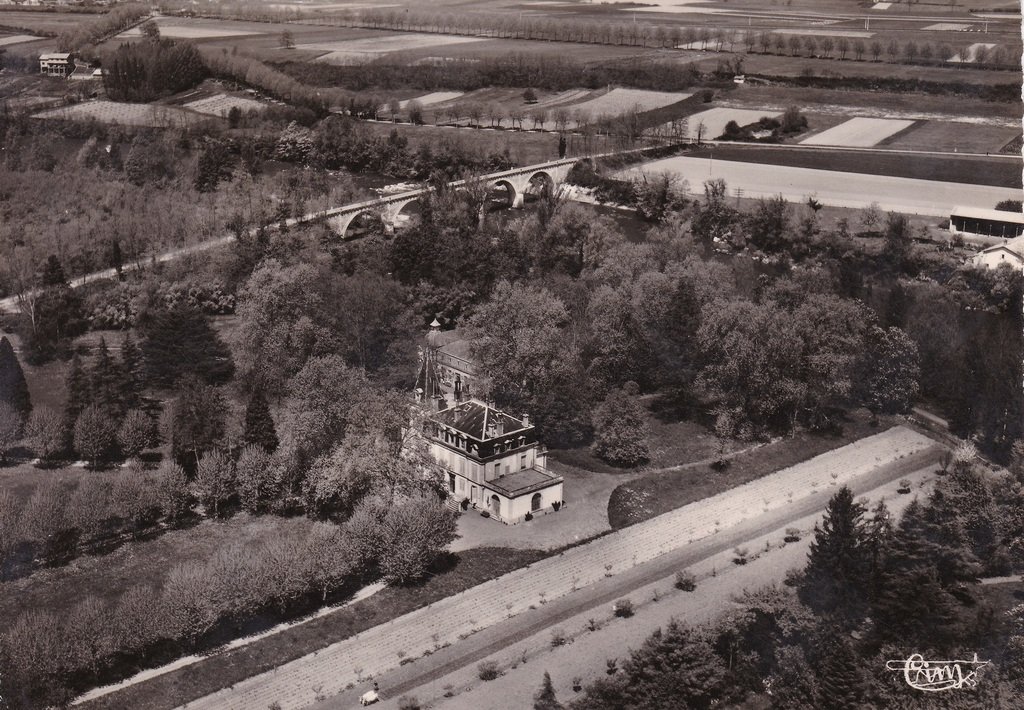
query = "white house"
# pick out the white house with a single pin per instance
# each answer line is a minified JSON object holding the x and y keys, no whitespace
{"x":56,"y":64}
{"x":492,"y":461}
{"x":1010,"y":252}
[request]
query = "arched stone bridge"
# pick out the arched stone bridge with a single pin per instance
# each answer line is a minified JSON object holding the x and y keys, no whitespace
{"x":516,"y":181}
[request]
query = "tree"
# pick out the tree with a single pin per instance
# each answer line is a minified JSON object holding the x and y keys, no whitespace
{"x":898,"y":240}
{"x":530,"y":96}
{"x":404,"y":537}
{"x":659,"y":195}
{"x":197,"y":419}
{"x":545,"y":698}
{"x":150,"y":30}
{"x":288,"y":39}
{"x":714,"y":218}
{"x":79,"y":395}
{"x":132,"y":373}
{"x":46,"y":433}
{"x":834,"y":578}
{"x":94,"y":434}
{"x":214,"y":483}
{"x":173,"y":490}
{"x":105,"y":382}
{"x":259,"y":424}
{"x":842,"y":680}
{"x":51,"y":317}
{"x":620,"y":430}
{"x":13,"y":387}
{"x":179,"y":341}
{"x":889,"y":371}
{"x":11,"y":424}
{"x":257,"y":479}
{"x":768,"y":226}
{"x":136,"y":434}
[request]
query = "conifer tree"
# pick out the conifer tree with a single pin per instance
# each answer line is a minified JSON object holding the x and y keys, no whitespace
{"x":180,"y":341}
{"x":13,"y":387}
{"x":545,"y":698}
{"x":842,"y":682}
{"x":79,"y":395}
{"x":131,"y":373}
{"x":259,"y":424}
{"x":837,"y":560}
{"x":105,"y":381}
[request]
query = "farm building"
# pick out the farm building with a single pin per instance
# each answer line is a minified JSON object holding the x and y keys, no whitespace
{"x":985,"y":222}
{"x":492,"y":460}
{"x":1010,"y":252}
{"x":56,"y":64}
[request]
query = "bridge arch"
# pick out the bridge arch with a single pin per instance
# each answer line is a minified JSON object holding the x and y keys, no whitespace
{"x":399,"y":214}
{"x":360,"y":221}
{"x":514,"y":192}
{"x":539,"y":183}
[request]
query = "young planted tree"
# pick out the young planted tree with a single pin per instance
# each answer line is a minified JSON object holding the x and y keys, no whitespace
{"x":13,"y":387}
{"x":95,"y":435}
{"x":136,"y":433}
{"x":620,"y":430}
{"x":214,"y":484}
{"x":257,"y":480}
{"x":46,"y":433}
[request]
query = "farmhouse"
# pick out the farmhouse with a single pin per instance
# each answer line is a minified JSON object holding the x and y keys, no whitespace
{"x":56,"y":64}
{"x":492,"y":459}
{"x":985,"y":222}
{"x":1010,"y":252}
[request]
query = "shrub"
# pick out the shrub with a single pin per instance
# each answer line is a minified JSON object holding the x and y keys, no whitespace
{"x":558,"y":638}
{"x":620,"y":430}
{"x":741,"y":554}
{"x":623,"y":608}
{"x":792,"y":535}
{"x":487,"y":670}
{"x":685,"y":581}
{"x":904,"y":486}
{"x":528,"y":517}
{"x":408,"y":702}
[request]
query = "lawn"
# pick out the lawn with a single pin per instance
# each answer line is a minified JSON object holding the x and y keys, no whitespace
{"x":126,"y":114}
{"x":660,"y":492}
{"x":466,"y":569}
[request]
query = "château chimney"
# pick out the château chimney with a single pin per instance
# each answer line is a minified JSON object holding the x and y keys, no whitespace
{"x":526,"y":420}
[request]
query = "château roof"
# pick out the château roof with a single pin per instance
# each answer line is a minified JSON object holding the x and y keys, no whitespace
{"x":479,"y":421}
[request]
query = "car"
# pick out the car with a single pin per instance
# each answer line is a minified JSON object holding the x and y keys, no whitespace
{"x":369,"y":698}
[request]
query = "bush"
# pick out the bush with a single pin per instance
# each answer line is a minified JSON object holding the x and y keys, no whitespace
{"x":620,"y":430}
{"x":623,"y":608}
{"x":487,"y":670}
{"x":558,"y":638}
{"x":408,"y":702}
{"x":685,"y":581}
{"x":740,"y":555}
{"x":792,"y":535}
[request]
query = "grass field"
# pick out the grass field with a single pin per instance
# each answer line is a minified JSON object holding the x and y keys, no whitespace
{"x":18,"y":39}
{"x":660,"y":492}
{"x":125,"y":114}
{"x":619,"y":101}
{"x":859,"y":132}
{"x":44,"y":22}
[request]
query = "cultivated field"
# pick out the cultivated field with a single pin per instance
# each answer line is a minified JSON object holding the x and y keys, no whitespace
{"x":619,"y":101}
{"x":856,"y":190}
{"x":958,"y":137}
{"x":180,"y":28}
{"x":711,"y":123}
{"x":435,"y":97}
{"x":124,"y":114}
{"x":859,"y":132}
{"x":221,"y":104}
{"x":18,"y":39}
{"x":357,"y":50}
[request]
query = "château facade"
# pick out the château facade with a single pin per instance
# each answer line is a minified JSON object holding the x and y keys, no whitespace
{"x":492,"y":460}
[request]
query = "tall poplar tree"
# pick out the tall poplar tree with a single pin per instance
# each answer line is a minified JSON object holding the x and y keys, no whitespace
{"x":259,"y":424}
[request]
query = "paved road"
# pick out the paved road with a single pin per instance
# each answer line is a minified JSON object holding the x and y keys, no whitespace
{"x":840,"y":189}
{"x":580,"y":572}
